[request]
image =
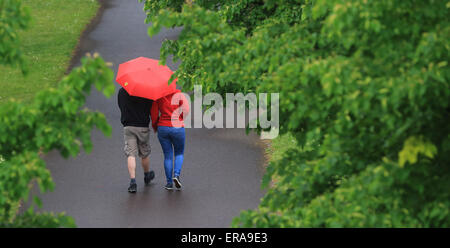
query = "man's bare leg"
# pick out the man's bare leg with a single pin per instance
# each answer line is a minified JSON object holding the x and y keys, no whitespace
{"x":132,"y":170}
{"x":132,"y":167}
{"x":146,"y":164}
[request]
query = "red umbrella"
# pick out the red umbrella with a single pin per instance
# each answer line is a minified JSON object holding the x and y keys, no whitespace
{"x":144,"y":77}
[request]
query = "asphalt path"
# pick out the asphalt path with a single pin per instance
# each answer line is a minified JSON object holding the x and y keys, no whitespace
{"x":222,"y":169}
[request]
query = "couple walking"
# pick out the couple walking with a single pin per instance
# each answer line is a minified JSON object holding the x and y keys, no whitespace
{"x":167,"y":120}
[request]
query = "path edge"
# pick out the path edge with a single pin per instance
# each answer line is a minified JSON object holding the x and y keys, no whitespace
{"x":76,"y":53}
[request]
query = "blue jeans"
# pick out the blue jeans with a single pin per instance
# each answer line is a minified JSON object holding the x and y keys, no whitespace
{"x":172,"y":141}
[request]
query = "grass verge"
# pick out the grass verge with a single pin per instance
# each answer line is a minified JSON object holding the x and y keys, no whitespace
{"x":48,"y":45}
{"x":275,"y":150}
{"x":279,"y":146}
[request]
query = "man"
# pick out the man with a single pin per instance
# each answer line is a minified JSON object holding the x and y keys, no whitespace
{"x":135,"y":117}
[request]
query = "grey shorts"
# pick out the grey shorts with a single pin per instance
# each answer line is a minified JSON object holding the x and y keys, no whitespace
{"x":137,"y":141}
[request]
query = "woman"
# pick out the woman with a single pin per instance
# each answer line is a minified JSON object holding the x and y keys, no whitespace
{"x":171,"y":134}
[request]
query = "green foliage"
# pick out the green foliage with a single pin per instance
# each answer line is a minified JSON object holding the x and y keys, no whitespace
{"x":364,"y":90}
{"x":13,"y":17}
{"x":55,"y":120}
{"x":31,"y":219}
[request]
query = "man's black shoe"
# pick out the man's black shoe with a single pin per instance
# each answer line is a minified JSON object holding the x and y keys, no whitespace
{"x":148,"y":178}
{"x":132,"y":188}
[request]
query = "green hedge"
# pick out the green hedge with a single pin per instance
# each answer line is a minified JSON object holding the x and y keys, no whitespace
{"x":364,"y":89}
{"x":56,"y":120}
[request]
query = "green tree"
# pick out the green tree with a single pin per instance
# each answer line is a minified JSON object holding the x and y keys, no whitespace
{"x":13,"y":17}
{"x":56,"y":119}
{"x":364,"y":89}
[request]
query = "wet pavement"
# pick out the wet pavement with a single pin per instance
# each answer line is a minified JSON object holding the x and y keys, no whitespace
{"x":222,"y":169}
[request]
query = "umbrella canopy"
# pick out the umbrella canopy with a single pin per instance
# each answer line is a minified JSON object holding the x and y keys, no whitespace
{"x":144,"y":77}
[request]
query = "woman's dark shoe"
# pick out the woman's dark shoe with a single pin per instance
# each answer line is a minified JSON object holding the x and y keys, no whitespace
{"x":177,"y":182}
{"x":132,"y":188}
{"x":149,"y":177}
{"x":169,"y":186}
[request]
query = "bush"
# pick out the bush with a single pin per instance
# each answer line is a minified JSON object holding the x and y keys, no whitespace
{"x":56,"y":119}
{"x":364,"y":89}
{"x":13,"y":17}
